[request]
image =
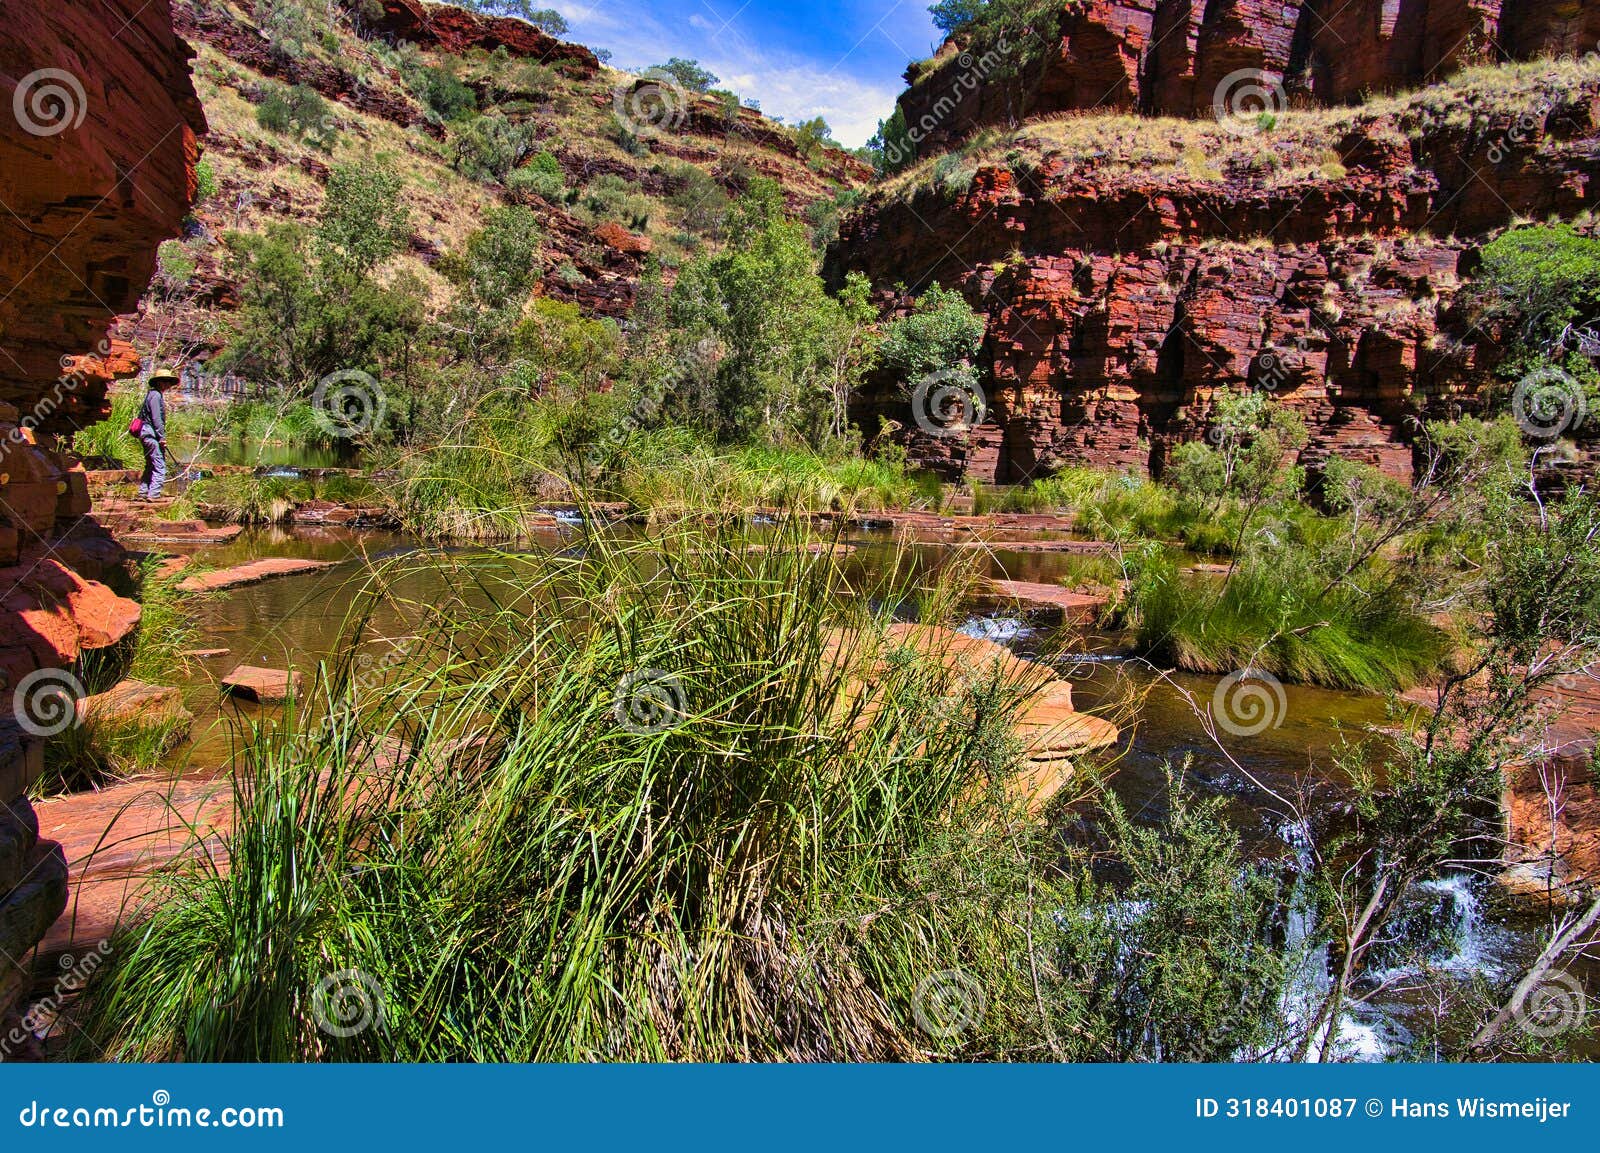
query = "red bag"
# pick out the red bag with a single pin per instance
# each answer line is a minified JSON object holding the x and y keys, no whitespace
{"x":136,"y":426}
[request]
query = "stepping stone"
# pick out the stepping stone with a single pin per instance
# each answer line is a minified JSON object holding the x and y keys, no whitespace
{"x":265,"y":686}
{"x":1068,"y":547}
{"x":183,"y":532}
{"x":248,"y":574}
{"x":815,"y":548}
{"x":1052,"y":598}
{"x":138,"y":705}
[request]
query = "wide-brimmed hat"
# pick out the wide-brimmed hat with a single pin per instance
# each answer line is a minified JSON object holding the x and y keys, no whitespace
{"x":164,"y":373}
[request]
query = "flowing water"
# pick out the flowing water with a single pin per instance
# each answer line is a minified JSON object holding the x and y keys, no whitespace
{"x":295,"y":621}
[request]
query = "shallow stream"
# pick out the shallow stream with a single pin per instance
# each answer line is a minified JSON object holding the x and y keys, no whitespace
{"x":295,"y":621}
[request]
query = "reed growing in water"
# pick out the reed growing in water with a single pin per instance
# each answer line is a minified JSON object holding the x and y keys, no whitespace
{"x":635,"y":804}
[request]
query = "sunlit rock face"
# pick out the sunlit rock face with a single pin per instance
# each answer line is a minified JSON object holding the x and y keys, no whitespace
{"x":1130,"y":267}
{"x":98,"y":145}
{"x":98,"y":131}
{"x":1180,"y":57}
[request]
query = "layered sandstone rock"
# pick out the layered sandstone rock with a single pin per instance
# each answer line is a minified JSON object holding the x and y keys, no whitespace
{"x":455,"y":30}
{"x":1185,"y":57}
{"x":98,"y":142}
{"x":98,"y":126}
{"x":1129,"y":270}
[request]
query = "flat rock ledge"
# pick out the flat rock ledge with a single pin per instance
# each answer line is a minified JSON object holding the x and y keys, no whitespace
{"x":248,"y":574}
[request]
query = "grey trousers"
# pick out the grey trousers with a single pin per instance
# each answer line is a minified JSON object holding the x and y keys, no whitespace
{"x":155,"y":466}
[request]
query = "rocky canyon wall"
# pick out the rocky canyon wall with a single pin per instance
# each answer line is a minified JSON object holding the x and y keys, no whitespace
{"x":1130,"y":268}
{"x":1184,"y":57}
{"x":98,"y":143}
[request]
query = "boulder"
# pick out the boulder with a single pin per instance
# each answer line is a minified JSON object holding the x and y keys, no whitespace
{"x":265,"y":686}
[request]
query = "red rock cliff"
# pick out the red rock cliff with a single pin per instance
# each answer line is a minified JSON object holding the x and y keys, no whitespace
{"x":1179,"y":57}
{"x":1130,"y":268}
{"x":98,"y":127}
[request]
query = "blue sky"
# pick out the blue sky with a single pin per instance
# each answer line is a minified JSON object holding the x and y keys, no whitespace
{"x":839,"y":59}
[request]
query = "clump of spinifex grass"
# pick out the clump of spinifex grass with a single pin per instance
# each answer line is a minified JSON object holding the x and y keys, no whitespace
{"x":665,"y":800}
{"x":1278,"y":614}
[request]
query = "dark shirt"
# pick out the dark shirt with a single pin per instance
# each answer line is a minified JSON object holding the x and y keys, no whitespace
{"x":154,"y":413}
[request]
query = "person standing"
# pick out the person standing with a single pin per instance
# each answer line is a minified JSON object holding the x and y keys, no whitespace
{"x":152,"y":432}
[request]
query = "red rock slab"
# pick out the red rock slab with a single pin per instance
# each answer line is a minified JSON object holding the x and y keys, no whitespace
{"x":1563,"y":840}
{"x":816,"y":548}
{"x":248,"y":574}
{"x":1053,"y":598}
{"x":133,"y":702}
{"x":114,"y":839}
{"x":183,"y":532}
{"x":53,"y":613}
{"x":1067,"y":547}
{"x":267,"y":686}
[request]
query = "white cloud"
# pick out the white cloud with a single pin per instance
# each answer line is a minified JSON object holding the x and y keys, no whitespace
{"x":787,"y":85}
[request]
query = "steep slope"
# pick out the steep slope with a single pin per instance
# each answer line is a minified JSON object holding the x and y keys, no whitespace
{"x":632,"y":165}
{"x":1129,"y":267}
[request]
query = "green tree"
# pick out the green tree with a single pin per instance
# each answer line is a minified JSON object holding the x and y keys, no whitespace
{"x":688,"y":73}
{"x":762,"y":302}
{"x":300,"y":112}
{"x":491,"y":147}
{"x":364,"y":222}
{"x":941,"y":334}
{"x":810,"y":136}
{"x":311,"y":300}
{"x":547,"y":19}
{"x":494,"y":274}
{"x":1541,"y":286}
{"x":892,"y":148}
{"x":951,"y":16}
